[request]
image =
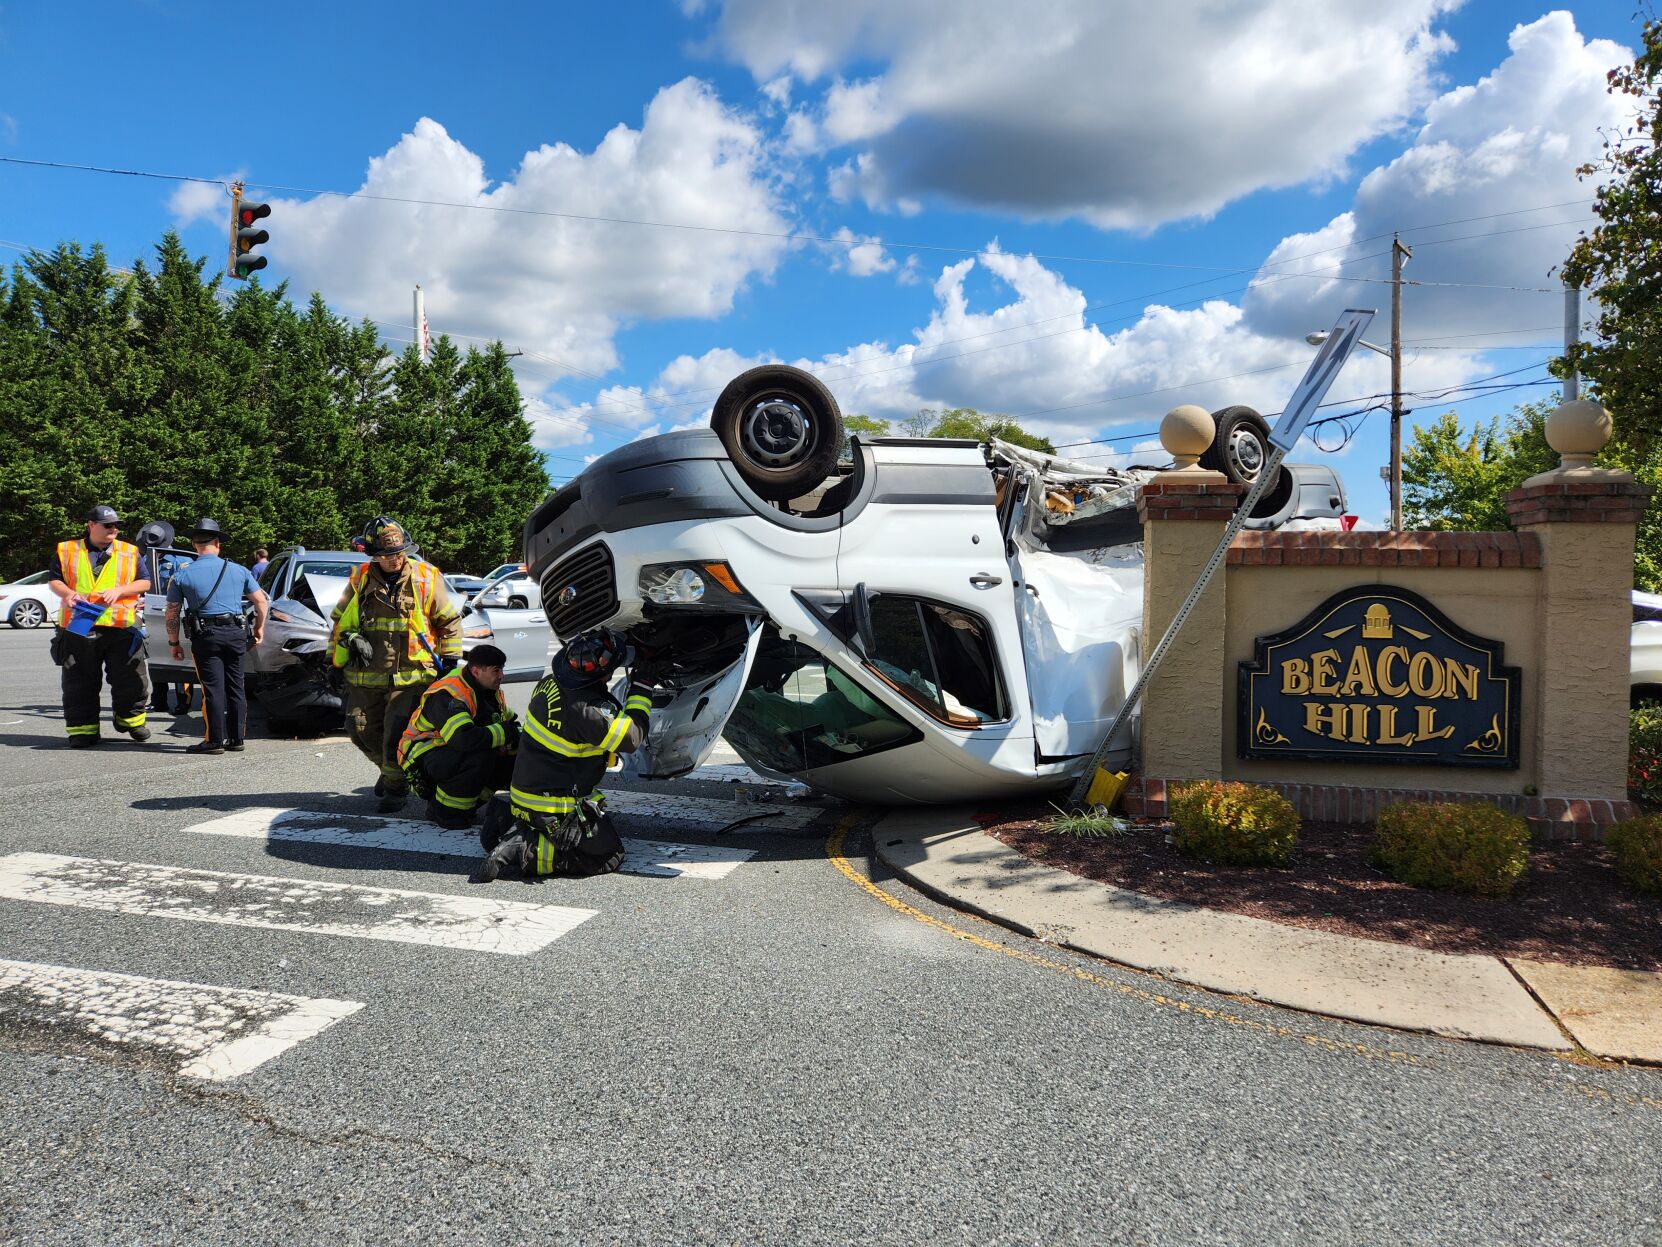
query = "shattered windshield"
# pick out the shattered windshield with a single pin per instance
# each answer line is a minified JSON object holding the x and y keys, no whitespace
{"x":798,"y":712}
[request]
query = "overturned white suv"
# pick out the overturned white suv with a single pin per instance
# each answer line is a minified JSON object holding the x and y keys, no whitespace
{"x":929,"y":620}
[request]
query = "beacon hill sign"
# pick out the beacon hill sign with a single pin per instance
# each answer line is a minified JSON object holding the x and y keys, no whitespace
{"x":1377,"y":674}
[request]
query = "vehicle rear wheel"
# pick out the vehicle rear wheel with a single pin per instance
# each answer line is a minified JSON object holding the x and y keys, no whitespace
{"x":518,"y":603}
{"x":1240,"y":449}
{"x":781,"y":428}
{"x":28,"y":614}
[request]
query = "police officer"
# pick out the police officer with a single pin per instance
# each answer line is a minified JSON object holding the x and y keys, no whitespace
{"x":394,"y":630}
{"x":571,"y":728}
{"x":214,"y":590}
{"x":101,"y":570}
{"x":462,"y":739}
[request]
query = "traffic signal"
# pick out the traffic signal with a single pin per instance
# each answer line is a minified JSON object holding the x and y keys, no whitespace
{"x":244,"y":237}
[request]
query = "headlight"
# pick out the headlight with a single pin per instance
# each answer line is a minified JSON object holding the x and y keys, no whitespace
{"x":672,"y":585}
{"x":709,"y":585}
{"x":481,"y":633}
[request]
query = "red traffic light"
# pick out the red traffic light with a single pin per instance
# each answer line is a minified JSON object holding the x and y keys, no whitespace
{"x":249,"y":212}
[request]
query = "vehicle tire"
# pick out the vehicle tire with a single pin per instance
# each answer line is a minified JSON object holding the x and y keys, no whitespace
{"x":28,"y":613}
{"x":518,"y":603}
{"x":1240,"y":448}
{"x":781,"y":428}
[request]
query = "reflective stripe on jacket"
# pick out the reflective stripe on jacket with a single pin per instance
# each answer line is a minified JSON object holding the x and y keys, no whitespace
{"x":431,"y":626}
{"x":121,"y":568}
{"x":448,"y":707}
{"x":566,"y":737}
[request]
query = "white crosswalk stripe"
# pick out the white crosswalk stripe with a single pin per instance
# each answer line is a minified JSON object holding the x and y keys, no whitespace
{"x":476,"y":923}
{"x":214,"y":1033}
{"x":642,"y":857}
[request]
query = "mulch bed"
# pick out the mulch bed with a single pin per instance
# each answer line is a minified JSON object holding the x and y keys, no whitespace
{"x":1570,"y":907}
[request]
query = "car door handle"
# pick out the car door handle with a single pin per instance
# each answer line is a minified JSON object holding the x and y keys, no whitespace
{"x":983,"y":581}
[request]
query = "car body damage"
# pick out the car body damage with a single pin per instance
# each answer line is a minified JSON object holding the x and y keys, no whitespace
{"x":938,"y":621}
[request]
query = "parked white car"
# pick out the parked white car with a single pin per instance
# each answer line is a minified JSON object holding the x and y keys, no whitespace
{"x":934,"y":620}
{"x":1645,"y":678}
{"x":28,"y":603}
{"x":510,"y":585}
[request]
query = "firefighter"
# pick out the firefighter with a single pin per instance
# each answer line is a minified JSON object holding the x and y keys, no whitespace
{"x":395,"y":629}
{"x":101,"y":570}
{"x":461,"y":739}
{"x":571,"y":728}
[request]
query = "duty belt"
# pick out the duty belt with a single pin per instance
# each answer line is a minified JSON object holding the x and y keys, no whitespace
{"x":220,"y":618}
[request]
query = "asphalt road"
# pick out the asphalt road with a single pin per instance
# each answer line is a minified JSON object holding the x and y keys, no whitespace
{"x":770,"y":1052}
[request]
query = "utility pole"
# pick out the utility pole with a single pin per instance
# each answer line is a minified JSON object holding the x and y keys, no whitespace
{"x":1399,"y":254}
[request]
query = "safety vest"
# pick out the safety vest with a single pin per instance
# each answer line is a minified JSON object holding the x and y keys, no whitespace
{"x":419,"y":647}
{"x":423,"y":734}
{"x":122,"y":567}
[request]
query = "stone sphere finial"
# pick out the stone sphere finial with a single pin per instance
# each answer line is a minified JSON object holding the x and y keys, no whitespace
{"x":1186,"y":432}
{"x":1578,"y":430}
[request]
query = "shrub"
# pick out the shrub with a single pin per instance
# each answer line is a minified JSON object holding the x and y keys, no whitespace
{"x":1637,"y":846}
{"x":1644,"y":752}
{"x":1468,"y":846}
{"x":1234,"y":824}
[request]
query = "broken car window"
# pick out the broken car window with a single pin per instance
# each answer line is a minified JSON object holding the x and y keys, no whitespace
{"x":798,"y":712}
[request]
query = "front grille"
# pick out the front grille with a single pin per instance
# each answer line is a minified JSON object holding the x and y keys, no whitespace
{"x":593,"y":598}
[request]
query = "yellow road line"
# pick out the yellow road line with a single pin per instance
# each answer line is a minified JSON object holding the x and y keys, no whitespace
{"x":834,"y":851}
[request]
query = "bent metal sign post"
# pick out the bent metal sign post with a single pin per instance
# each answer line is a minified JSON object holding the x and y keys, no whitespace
{"x":1377,"y":674}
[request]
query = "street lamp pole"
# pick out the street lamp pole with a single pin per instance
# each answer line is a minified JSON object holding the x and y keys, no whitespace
{"x":1399,"y":254}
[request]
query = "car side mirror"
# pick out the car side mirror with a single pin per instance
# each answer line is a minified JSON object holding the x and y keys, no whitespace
{"x":863,"y":630}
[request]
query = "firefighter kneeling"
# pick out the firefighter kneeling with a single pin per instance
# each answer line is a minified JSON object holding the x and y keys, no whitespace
{"x":461,"y":739}
{"x":558,"y":823}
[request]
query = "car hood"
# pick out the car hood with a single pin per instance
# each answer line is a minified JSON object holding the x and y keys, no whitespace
{"x":681,"y":734}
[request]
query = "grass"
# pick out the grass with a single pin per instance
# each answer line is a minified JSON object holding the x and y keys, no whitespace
{"x":1092,"y":823}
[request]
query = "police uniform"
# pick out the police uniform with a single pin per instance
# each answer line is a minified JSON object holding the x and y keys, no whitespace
{"x":571,"y":729}
{"x":460,"y":742}
{"x":392,"y":631}
{"x":113,"y":649}
{"x":213,"y":590}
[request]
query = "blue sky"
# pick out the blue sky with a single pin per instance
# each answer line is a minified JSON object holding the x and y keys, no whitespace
{"x":1076,"y":212}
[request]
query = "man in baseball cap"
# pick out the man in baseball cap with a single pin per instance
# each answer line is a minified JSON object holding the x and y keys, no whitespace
{"x":462,"y":739}
{"x":102,"y":583}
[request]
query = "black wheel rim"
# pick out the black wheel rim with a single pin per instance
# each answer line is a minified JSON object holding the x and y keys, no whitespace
{"x":776,"y":433}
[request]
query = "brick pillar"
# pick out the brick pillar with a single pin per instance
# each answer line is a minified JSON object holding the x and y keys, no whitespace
{"x":1183,"y":711}
{"x":1585,"y":519}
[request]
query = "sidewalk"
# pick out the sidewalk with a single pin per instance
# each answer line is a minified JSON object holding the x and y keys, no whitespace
{"x":1529,"y":1004}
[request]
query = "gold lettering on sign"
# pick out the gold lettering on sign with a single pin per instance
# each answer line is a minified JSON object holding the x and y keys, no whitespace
{"x":1460,"y":678}
{"x":1426,"y":728}
{"x":1327,"y":719}
{"x":1388,"y":728}
{"x":1324,"y":666}
{"x":1425,"y":675}
{"x":1387,"y":657}
{"x":1358,"y":679}
{"x":1295,"y":676}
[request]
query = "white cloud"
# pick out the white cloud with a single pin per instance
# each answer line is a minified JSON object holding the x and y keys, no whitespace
{"x":558,"y":286}
{"x":864,"y":255}
{"x":201,"y":201}
{"x":1126,"y":116}
{"x":1512,"y":141}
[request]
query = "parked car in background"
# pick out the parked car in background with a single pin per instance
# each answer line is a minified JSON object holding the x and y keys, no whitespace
{"x":28,"y":603}
{"x":289,"y":674}
{"x":1645,"y":675}
{"x":511,"y":585}
{"x":463,"y":587}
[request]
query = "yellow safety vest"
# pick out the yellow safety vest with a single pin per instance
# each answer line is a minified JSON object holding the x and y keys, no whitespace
{"x":422,"y":734}
{"x":122,"y":567}
{"x":419,"y":647}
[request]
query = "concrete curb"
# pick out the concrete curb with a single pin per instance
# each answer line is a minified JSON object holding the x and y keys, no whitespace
{"x":1530,"y":1005}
